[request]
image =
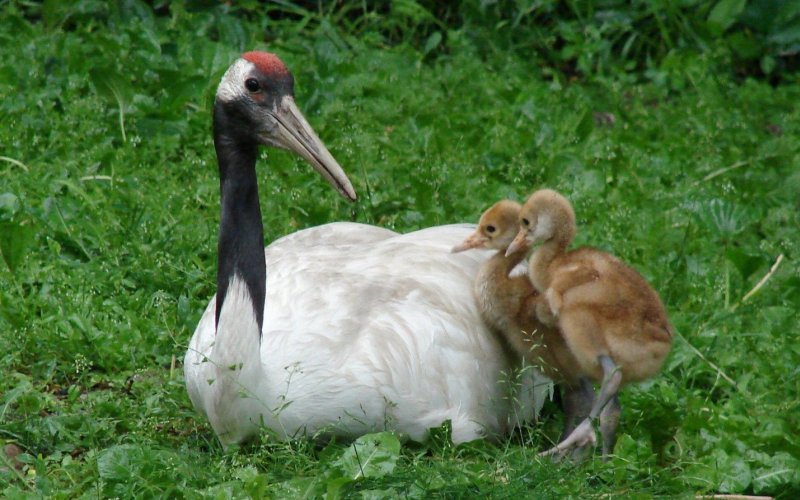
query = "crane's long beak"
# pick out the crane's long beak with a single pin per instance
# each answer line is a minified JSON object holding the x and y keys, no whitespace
{"x":520,"y":242}
{"x":295,"y":134}
{"x":474,"y":240}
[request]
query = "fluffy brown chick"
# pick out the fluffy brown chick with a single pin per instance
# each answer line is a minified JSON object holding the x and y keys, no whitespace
{"x":508,"y":306}
{"x":612,"y":320}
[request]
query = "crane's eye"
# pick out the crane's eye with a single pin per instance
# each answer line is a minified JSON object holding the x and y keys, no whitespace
{"x":526,"y":222}
{"x":252,"y":85}
{"x":490,"y":229}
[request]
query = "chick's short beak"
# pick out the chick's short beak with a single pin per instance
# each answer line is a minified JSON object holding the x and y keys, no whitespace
{"x":520,"y":242}
{"x":475,"y":240}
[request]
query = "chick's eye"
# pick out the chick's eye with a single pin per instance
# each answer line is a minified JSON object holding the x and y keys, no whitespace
{"x":490,"y":229}
{"x":526,"y":222}
{"x":252,"y":85}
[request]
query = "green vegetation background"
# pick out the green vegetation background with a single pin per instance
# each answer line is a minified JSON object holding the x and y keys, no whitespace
{"x":672,"y":125}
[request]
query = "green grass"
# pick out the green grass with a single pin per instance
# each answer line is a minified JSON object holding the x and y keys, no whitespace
{"x":109,"y":212}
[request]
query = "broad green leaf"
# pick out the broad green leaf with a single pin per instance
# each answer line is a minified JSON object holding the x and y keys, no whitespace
{"x":788,"y":36}
{"x":57,"y":12}
{"x":410,"y":9}
{"x":300,"y":487}
{"x":150,"y":128}
{"x":130,"y":10}
{"x":432,"y":42}
{"x":745,"y":263}
{"x":9,"y":205}
{"x":232,"y":32}
{"x":254,"y":482}
{"x":728,"y":219}
{"x":112,"y":86}
{"x":733,"y":472}
{"x":724,"y":14}
{"x":700,"y":476}
{"x":114,"y":464}
{"x":584,"y":126}
{"x":381,"y":494}
{"x":15,"y":239}
{"x":780,"y":470}
{"x":334,"y":486}
{"x":115,"y":89}
{"x":767,"y":64}
{"x":746,"y":46}
{"x":372,"y":455}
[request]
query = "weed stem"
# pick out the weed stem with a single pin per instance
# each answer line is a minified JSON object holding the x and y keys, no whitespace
{"x":721,"y":171}
{"x":710,"y":363}
{"x":15,"y":162}
{"x":763,"y":280}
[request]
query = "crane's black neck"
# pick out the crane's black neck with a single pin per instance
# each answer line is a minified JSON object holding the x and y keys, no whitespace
{"x":241,"y":233}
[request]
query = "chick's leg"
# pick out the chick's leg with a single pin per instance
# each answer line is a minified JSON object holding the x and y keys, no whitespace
{"x":584,"y":434}
{"x":577,"y":400}
{"x":609,"y":420}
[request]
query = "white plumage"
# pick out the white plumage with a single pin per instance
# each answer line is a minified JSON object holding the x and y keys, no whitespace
{"x":364,"y":330}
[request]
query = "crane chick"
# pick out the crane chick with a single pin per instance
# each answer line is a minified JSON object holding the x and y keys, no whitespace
{"x":611,"y":319}
{"x":509,"y":304}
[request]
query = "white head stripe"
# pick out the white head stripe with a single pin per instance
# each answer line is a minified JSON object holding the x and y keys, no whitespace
{"x":232,"y":84}
{"x":544,"y":228}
